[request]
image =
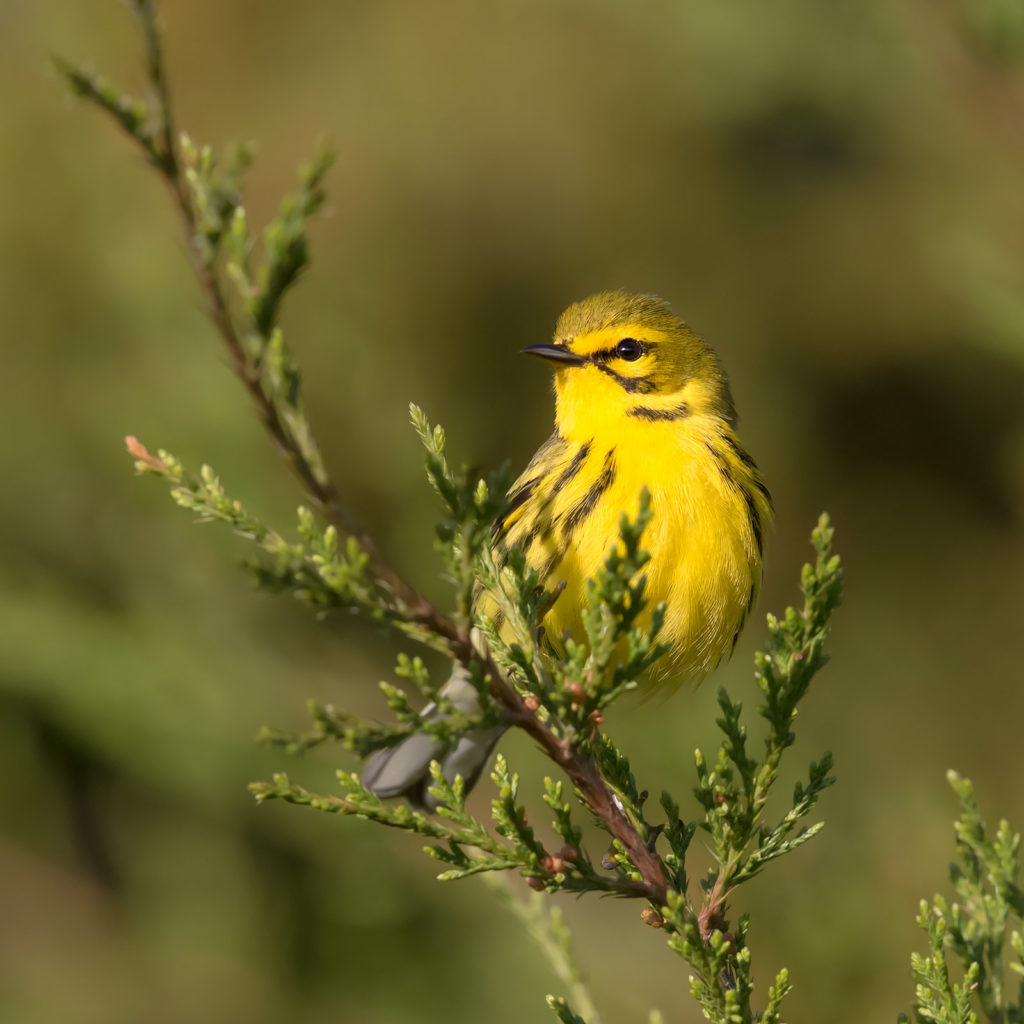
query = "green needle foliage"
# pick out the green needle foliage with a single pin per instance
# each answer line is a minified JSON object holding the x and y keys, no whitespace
{"x":972,"y":931}
{"x":607,"y":839}
{"x":563,"y":695}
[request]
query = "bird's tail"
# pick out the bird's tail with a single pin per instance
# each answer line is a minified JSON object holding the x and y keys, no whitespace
{"x":402,"y":770}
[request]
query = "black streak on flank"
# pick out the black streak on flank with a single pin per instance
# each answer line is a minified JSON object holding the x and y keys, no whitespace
{"x":579,"y":512}
{"x":572,"y":469}
{"x":747,"y":461}
{"x":539,"y":532}
{"x":523,"y":494}
{"x":755,"y":521}
{"x":723,"y":464}
{"x":743,"y":619}
{"x":550,"y":563}
{"x":516,"y":500}
{"x":740,"y":452}
{"x":676,"y":412}
{"x":756,"y":526}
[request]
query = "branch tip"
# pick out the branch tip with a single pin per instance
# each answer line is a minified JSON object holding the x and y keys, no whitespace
{"x":144,"y":459}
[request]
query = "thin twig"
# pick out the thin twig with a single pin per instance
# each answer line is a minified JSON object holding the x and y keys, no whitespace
{"x":318,"y":486}
{"x":552,"y":936}
{"x":582,"y":772}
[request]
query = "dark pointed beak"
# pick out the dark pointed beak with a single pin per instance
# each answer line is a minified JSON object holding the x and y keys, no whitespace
{"x":554,"y":353}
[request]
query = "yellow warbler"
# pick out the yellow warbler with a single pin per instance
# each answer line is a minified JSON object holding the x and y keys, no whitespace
{"x":641,"y":401}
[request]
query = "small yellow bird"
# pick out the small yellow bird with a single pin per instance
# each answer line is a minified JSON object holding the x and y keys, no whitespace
{"x":641,"y":401}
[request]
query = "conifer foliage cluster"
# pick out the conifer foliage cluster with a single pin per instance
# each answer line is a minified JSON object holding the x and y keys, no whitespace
{"x":610,"y":837}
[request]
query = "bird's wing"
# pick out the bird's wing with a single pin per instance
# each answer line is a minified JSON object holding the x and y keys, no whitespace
{"x":546,"y":456}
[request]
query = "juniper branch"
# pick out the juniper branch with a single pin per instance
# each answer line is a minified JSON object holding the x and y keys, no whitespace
{"x":734,"y":792}
{"x":254,"y":343}
{"x":217,"y":237}
{"x":317,"y":571}
{"x":292,"y":436}
{"x":557,"y":694}
{"x":973,"y":929}
{"x":324,"y":575}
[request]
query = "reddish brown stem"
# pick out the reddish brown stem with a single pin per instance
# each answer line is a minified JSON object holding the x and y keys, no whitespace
{"x":711,"y":916}
{"x":320,"y":489}
{"x":582,"y":772}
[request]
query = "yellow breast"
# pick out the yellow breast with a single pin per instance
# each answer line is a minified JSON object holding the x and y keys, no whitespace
{"x":710,"y":510}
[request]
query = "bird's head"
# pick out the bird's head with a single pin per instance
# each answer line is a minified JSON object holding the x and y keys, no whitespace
{"x":622,"y":354}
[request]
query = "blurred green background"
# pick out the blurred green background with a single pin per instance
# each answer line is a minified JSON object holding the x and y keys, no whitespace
{"x":831,"y":193}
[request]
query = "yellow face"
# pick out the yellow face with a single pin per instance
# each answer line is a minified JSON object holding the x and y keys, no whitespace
{"x":621,"y":355}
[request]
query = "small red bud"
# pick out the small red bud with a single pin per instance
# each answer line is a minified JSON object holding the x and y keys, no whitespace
{"x":535,"y":883}
{"x":569,"y":853}
{"x":651,"y":917}
{"x":596,"y":717}
{"x":532,"y":702}
{"x":553,"y":864}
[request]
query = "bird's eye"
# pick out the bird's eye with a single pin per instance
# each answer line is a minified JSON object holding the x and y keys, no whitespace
{"x":630,"y":349}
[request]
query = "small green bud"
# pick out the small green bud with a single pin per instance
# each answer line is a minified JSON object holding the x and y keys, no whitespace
{"x":238,"y":236}
{"x":187,"y":148}
{"x":331,"y":541}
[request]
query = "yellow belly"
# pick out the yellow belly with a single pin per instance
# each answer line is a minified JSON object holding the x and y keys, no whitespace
{"x":705,"y":550}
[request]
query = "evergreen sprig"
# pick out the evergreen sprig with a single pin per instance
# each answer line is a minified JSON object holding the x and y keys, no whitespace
{"x":318,"y":569}
{"x":243,"y":301}
{"x":563,"y":1011}
{"x":733,"y":792}
{"x":465,"y":844}
{"x":972,"y":931}
{"x":471,"y":506}
{"x":556,"y":689}
{"x":326,"y":576}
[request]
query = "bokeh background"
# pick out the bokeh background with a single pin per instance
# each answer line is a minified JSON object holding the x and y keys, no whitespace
{"x":830,"y":192}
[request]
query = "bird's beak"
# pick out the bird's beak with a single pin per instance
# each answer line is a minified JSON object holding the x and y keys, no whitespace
{"x":555,"y":353}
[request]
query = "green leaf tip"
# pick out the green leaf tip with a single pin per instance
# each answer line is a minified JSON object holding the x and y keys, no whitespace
{"x":563,"y":1011}
{"x":974,"y":929}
